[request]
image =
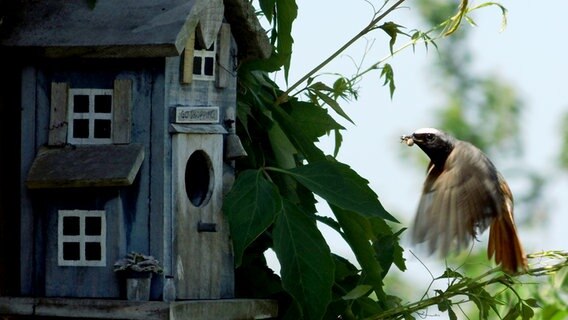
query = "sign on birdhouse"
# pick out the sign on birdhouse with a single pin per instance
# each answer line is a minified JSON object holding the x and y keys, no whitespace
{"x":196,"y":115}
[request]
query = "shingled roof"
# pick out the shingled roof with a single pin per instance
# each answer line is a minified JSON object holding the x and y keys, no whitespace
{"x":130,"y":28}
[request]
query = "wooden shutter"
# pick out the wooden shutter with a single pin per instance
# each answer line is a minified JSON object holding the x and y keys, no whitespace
{"x":224,"y":68}
{"x":122,"y":109}
{"x":187,"y":60}
{"x":58,"y":119}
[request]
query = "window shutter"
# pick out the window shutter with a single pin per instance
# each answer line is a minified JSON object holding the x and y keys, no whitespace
{"x":58,"y":119}
{"x":122,"y":105}
{"x":187,"y":61}
{"x":224,"y":68}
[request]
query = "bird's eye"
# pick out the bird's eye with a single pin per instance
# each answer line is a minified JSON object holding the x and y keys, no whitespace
{"x":430,"y":137}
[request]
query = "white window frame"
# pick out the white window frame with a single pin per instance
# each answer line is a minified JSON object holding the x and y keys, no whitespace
{"x":81,"y":238}
{"x":91,"y":115}
{"x":205,"y":54}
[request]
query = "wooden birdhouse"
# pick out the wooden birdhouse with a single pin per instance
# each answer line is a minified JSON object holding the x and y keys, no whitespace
{"x":125,"y":144}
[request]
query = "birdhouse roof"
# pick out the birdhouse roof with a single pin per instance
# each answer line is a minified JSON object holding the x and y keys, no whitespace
{"x":109,"y":28}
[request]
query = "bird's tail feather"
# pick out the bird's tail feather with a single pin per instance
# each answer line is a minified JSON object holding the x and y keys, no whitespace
{"x":504,"y":243}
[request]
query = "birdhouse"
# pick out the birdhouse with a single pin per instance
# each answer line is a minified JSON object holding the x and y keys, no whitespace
{"x":126,"y":143}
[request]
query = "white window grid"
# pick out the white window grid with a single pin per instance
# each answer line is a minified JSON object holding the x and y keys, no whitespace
{"x":81,"y":238}
{"x":91,"y":115}
{"x":203,"y":55}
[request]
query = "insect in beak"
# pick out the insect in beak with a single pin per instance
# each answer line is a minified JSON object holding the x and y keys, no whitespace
{"x":408,"y":140}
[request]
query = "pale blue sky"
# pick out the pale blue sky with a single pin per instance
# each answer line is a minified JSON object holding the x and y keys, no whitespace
{"x":530,"y":53}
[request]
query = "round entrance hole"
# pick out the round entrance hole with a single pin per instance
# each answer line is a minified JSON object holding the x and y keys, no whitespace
{"x":198,"y":178}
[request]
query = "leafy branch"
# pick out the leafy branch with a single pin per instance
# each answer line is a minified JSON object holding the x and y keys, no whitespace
{"x":370,"y":27}
{"x":474,"y":290}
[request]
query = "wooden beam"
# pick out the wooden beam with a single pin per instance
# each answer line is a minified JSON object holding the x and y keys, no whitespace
{"x":122,"y":113}
{"x":58,"y":118}
{"x":224,"y":69}
{"x":187,"y":61}
{"x":150,"y":310}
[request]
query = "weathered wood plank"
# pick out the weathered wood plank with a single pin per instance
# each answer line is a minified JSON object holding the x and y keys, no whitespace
{"x":148,"y":310}
{"x":224,"y":69}
{"x":210,"y":20}
{"x":224,"y":309}
{"x":85,"y":166}
{"x":28,"y":149}
{"x":187,"y":67}
{"x":200,"y":261}
{"x":58,"y":119}
{"x":122,"y":113}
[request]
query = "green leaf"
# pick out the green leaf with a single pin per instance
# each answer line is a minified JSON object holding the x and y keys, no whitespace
{"x":251,"y":206}
{"x":338,"y":142}
{"x":333,"y":104}
{"x":287,"y":11}
{"x":339,"y":185}
{"x":267,"y":7}
{"x":295,"y":134}
{"x":452,"y":314}
{"x":392,"y":29}
{"x":526,"y":312}
{"x":282,"y":148}
{"x":513,"y":313}
{"x":532,"y":302}
{"x":330,"y":222}
{"x":456,"y":20}
{"x":307,"y":268}
{"x":388,"y":74}
{"x":359,"y":291}
{"x":313,"y":120}
{"x":500,"y":6}
{"x":449,"y":273}
{"x":357,"y":232}
{"x":388,"y":249}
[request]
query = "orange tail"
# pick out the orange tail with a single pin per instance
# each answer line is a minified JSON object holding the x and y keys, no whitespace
{"x":505,"y":245}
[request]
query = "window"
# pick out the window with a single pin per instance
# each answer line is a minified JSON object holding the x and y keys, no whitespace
{"x":203,"y":62}
{"x":90,"y":116}
{"x":81,"y":238}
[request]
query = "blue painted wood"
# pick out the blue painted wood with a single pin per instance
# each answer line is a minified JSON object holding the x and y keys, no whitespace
{"x":160,"y":177}
{"x":27,"y":153}
{"x":139,"y":217}
{"x":83,"y":282}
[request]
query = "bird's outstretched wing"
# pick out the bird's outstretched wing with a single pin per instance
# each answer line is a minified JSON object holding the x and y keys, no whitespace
{"x":458,"y":201}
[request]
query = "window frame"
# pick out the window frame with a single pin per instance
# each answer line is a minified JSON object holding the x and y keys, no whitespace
{"x":81,"y":238}
{"x":203,"y":54}
{"x":91,"y":116}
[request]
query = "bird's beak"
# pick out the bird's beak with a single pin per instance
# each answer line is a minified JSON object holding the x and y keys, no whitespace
{"x":409,"y":140}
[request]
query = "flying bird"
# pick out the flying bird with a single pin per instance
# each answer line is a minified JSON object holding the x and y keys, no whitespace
{"x":463,"y":195}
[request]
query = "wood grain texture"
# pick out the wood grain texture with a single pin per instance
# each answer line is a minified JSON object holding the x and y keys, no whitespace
{"x":203,"y":261}
{"x":28,"y":149}
{"x":85,"y":166}
{"x":210,"y":20}
{"x":187,"y":60}
{"x":58,"y":119}
{"x":224,"y":69}
{"x":122,"y":111}
{"x":149,"y":310}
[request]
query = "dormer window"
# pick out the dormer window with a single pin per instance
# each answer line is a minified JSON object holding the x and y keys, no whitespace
{"x":211,"y":64}
{"x":90,"y":116}
{"x":204,"y":62}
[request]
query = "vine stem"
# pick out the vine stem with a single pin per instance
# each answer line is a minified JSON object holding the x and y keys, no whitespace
{"x":367,"y":29}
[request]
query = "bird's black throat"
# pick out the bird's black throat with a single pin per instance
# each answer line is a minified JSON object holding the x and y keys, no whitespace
{"x":438,"y":152}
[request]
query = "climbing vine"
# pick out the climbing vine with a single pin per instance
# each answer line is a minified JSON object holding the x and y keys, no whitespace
{"x":272,"y":204}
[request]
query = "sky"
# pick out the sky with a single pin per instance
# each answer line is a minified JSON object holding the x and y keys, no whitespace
{"x":530,"y":54}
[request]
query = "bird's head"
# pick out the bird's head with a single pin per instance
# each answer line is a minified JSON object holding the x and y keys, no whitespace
{"x":435,"y":143}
